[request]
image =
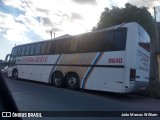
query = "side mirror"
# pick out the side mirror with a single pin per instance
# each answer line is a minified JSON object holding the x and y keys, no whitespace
{"x":6,"y":62}
{"x":7,"y":58}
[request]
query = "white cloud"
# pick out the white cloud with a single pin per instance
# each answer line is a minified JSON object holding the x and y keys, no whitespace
{"x":14,"y":31}
{"x":15,"y":3}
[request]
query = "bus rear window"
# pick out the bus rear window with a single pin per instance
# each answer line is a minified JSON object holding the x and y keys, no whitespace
{"x":143,"y":39}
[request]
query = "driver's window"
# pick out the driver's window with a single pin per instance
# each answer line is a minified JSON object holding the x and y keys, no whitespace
{"x":12,"y":60}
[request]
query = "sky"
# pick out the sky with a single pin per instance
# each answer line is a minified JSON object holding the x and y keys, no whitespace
{"x":25,"y":21}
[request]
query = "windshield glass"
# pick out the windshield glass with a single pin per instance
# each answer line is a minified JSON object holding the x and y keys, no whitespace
{"x":14,"y":51}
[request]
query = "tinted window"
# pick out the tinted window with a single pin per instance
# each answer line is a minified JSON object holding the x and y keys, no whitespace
{"x":53,"y":47}
{"x":43,"y":48}
{"x":38,"y":48}
{"x":19,"y":51}
{"x":88,"y":43}
{"x":27,"y":50}
{"x":23,"y":50}
{"x":32,"y":49}
{"x":107,"y":44}
{"x":49,"y":47}
{"x":120,"y":39}
{"x":14,"y":51}
{"x":102,"y":41}
{"x":95,"y":42}
{"x":73,"y":45}
{"x":143,"y":38}
{"x":65,"y":45}
{"x":58,"y":47}
{"x":146,"y":46}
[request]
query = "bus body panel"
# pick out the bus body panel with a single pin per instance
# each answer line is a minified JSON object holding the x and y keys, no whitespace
{"x":37,"y":73}
{"x":108,"y":82}
{"x":77,"y":63}
{"x":130,"y":57}
{"x":109,"y":75}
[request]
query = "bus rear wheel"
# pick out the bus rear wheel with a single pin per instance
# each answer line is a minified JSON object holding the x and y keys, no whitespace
{"x":15,"y":74}
{"x":73,"y":81}
{"x":58,"y":79}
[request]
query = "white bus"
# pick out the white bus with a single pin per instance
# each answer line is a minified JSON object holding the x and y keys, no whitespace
{"x":115,"y":59}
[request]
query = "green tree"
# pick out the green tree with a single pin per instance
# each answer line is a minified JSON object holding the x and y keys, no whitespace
{"x":130,"y":13}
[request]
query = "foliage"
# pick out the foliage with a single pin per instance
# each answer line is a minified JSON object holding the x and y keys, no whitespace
{"x":130,"y":13}
{"x":153,"y":90}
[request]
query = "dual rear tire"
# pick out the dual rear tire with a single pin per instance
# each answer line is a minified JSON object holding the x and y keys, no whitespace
{"x":71,"y":80}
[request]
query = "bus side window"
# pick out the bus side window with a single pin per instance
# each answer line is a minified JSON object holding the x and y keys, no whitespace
{"x":65,"y":46}
{"x":23,"y":50}
{"x":43,"y":48}
{"x":49,"y":47}
{"x":38,"y":48}
{"x":27,"y":50}
{"x":108,"y":39}
{"x":32,"y":49}
{"x":90,"y":43}
{"x":83,"y":44}
{"x":96,"y":42}
{"x":120,"y":39}
{"x":53,"y":47}
{"x":19,"y":51}
{"x":58,"y":47}
{"x":73,"y":47}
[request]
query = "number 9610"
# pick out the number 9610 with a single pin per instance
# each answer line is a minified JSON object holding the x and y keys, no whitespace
{"x":115,"y":60}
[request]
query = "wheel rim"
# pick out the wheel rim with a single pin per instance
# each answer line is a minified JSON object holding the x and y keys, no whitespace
{"x":57,"y":80}
{"x":72,"y":81}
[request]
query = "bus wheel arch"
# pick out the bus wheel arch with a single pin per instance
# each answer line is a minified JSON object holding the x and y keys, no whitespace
{"x":57,"y":79}
{"x":15,"y":74}
{"x":72,"y":80}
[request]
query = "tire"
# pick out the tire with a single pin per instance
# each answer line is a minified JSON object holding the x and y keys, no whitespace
{"x":73,"y":81}
{"x":15,"y":74}
{"x":58,"y":79}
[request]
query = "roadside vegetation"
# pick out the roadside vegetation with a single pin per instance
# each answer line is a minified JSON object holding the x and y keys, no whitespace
{"x":115,"y":16}
{"x":153,"y":90}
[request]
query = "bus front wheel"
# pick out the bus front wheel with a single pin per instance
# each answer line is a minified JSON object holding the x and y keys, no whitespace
{"x":73,"y":81}
{"x":15,"y":74}
{"x":58,"y":79}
